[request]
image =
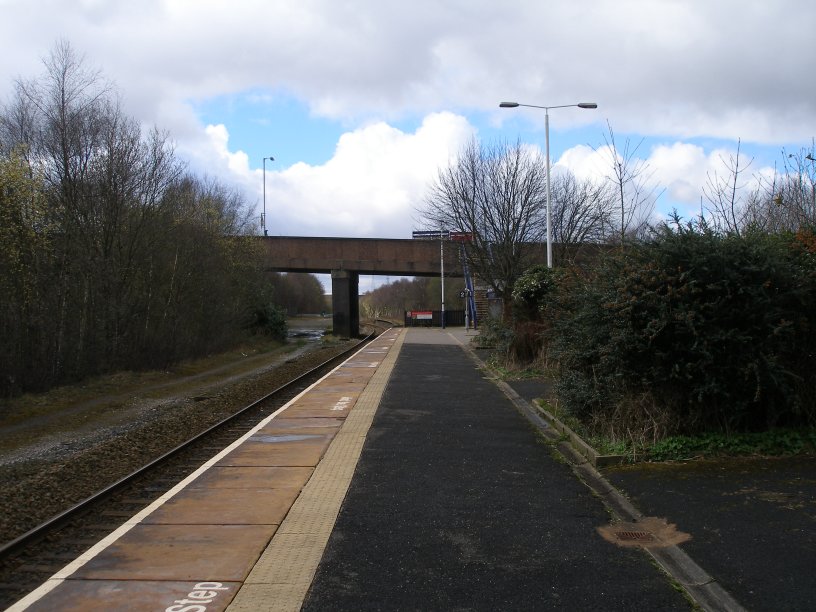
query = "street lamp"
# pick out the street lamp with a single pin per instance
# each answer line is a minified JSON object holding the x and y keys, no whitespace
{"x":263,"y":218}
{"x":547,"y":141}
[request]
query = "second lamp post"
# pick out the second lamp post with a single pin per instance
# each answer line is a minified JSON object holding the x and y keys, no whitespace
{"x":263,"y":219}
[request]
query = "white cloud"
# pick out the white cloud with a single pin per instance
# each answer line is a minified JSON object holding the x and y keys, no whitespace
{"x":370,"y":187}
{"x":681,"y":169}
{"x":585,"y":162}
{"x":670,"y":70}
{"x":683,"y":68}
{"x":236,"y":163}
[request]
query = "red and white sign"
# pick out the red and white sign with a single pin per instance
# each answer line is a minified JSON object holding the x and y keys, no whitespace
{"x":422,"y":315}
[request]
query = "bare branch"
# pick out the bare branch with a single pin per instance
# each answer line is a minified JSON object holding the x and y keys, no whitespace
{"x":632,"y":181}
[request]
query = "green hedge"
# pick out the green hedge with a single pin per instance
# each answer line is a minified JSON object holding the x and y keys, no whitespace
{"x":716,"y":330}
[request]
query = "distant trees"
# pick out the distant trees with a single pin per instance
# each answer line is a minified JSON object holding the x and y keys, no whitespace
{"x":393,"y":299}
{"x":299,"y":293}
{"x":111,"y":254}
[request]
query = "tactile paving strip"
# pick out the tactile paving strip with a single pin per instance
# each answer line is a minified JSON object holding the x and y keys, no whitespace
{"x":281,"y":578}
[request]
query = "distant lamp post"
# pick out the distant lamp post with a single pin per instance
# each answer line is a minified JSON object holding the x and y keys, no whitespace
{"x":442,"y":271}
{"x":263,"y":217}
{"x":547,"y":141}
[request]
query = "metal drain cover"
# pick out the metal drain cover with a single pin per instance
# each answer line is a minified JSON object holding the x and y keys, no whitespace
{"x":648,"y":532}
{"x":641,"y":536}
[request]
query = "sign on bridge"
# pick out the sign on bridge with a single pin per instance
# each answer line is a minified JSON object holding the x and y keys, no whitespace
{"x":443,"y":235}
{"x":430,"y":235}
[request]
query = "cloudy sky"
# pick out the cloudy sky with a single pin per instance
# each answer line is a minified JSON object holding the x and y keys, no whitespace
{"x":361,"y":101}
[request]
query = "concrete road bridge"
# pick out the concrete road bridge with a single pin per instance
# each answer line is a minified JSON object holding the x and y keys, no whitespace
{"x":346,"y":258}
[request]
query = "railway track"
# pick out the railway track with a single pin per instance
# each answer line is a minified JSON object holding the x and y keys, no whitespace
{"x":31,"y":558}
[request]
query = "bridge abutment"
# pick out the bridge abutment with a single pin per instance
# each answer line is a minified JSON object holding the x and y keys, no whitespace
{"x":345,"y":303}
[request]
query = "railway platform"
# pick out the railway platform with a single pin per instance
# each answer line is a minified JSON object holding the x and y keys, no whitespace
{"x":277,"y":487}
{"x":405,"y":479}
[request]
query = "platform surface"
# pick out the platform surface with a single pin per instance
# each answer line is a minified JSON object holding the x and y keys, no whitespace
{"x":458,"y":504}
{"x":407,"y":479}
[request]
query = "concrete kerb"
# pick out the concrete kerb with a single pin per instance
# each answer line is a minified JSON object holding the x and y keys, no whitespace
{"x":697,"y":583}
{"x":581,"y":447}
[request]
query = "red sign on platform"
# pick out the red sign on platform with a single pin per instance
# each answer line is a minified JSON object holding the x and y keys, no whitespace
{"x":421,"y":315}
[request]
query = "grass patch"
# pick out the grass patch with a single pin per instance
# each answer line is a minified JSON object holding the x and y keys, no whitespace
{"x":774,"y":442}
{"x":507,"y":370}
{"x":610,"y":447}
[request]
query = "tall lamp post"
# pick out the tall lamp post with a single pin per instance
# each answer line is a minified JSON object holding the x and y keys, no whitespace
{"x":263,"y":218}
{"x":547,"y":145}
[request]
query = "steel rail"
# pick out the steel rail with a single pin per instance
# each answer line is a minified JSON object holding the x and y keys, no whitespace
{"x":39,"y":531}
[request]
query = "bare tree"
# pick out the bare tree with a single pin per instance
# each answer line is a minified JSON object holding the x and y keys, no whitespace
{"x":726,"y":195}
{"x":787,"y":200}
{"x":497,"y":194}
{"x":784,"y":200}
{"x":635,"y":192}
{"x":56,"y":119}
{"x":582,"y":212}
{"x":142,"y":263}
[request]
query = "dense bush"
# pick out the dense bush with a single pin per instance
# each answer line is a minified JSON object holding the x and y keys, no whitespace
{"x":533,"y":293}
{"x":694,"y":331}
{"x":269,"y":319}
{"x":532,"y":296}
{"x":495,"y":334}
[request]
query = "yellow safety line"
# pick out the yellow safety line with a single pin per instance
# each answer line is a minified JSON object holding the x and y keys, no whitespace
{"x":283,"y":574}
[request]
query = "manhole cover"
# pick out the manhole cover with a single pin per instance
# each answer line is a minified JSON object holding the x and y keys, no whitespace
{"x":649,"y":532}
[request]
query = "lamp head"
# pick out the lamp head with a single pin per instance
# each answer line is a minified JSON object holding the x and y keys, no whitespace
{"x":587,"y":105}
{"x":508,"y":105}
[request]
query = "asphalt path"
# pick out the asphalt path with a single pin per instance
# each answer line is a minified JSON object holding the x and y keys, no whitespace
{"x":459,"y":504}
{"x":752,"y":522}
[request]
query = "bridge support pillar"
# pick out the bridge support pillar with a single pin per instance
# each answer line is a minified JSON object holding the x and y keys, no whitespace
{"x":345,"y":303}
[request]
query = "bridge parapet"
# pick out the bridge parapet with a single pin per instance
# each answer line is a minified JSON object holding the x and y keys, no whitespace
{"x":347,"y":258}
{"x":383,"y":256}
